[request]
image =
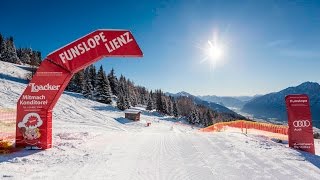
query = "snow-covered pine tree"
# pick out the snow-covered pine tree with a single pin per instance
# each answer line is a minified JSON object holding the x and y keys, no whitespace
{"x":103,"y":90}
{"x":194,"y":117}
{"x":197,"y":117}
{"x":3,"y":49}
{"x":142,"y":95}
{"x":133,"y":98}
{"x":190,"y":117}
{"x":154,"y":99}
{"x":175,"y":109}
{"x":127,"y":103}
{"x":36,"y":58}
{"x":164,"y":108}
{"x":120,"y":102}
{"x":92,"y":75}
{"x":10,"y":54}
{"x":24,"y":55}
{"x":208,"y":118}
{"x":169,"y":108}
{"x":113,"y":82}
{"x":2,"y":45}
{"x":150,"y":104}
{"x":87,"y":89}
{"x":122,"y":87}
{"x":159,"y":101}
{"x":131,"y":93}
{"x":78,"y":82}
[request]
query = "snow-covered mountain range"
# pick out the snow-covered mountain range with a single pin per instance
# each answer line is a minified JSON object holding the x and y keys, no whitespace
{"x":212,"y":105}
{"x":229,"y":101}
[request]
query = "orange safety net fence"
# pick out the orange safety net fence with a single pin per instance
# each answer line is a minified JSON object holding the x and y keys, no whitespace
{"x":7,"y":129}
{"x":280,"y":129}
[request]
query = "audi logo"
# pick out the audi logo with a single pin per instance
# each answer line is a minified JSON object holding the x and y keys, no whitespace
{"x":301,"y":123}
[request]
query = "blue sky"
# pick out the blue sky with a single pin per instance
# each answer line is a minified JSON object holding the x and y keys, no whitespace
{"x":269,"y":45}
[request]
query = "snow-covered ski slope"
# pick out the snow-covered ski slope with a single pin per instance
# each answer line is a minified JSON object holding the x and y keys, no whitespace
{"x":93,"y":141}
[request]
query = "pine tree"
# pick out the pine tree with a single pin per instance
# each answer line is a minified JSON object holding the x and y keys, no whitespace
{"x":113,"y":82}
{"x":3,"y":49}
{"x":78,"y":82}
{"x":164,"y":108}
{"x":175,"y":109}
{"x":92,"y":75}
{"x":87,"y":89}
{"x":10,"y":54}
{"x":2,"y":45}
{"x":208,"y":118}
{"x":159,"y":102}
{"x":103,"y":90}
{"x":24,"y":55}
{"x":131,"y":93}
{"x":194,"y":117}
{"x":120,"y":102}
{"x":122,"y":88}
{"x":170,"y":108}
{"x":127,"y":103}
{"x":197,"y":117}
{"x":150,"y":104}
{"x":34,"y":61}
{"x":38,"y":58}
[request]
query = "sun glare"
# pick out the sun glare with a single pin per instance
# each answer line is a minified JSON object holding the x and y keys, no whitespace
{"x":214,"y":51}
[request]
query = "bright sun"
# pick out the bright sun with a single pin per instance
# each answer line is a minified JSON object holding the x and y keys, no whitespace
{"x":214,"y":52}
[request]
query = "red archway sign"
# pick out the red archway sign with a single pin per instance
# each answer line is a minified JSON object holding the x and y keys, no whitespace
{"x":34,"y":107}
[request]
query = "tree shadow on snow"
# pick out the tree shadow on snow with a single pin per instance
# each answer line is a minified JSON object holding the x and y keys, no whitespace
{"x":25,"y":68}
{"x":170,"y":119}
{"x":105,"y":108}
{"x":11,"y":78}
{"x":123,"y":120}
{"x":314,"y":159}
{"x":74,"y":94}
{"x":17,"y":157}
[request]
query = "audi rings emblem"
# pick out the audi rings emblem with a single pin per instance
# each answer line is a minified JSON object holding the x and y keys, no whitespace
{"x":301,"y":123}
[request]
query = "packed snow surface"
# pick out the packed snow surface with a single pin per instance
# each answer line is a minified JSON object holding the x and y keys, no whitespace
{"x":94,"y":141}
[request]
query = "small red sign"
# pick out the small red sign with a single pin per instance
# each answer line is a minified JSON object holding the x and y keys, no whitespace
{"x":300,"y":123}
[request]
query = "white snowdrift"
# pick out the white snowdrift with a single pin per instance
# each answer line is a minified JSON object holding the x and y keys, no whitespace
{"x":95,"y":141}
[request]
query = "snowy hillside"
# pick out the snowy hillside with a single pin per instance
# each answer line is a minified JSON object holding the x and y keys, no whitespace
{"x":94,"y":141}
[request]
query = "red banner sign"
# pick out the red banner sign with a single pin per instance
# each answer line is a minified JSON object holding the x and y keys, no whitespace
{"x":94,"y":46}
{"x":34,"y":108}
{"x":300,"y":123}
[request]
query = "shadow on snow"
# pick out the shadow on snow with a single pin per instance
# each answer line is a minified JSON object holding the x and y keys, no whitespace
{"x":313,"y":159}
{"x":11,"y":78}
{"x":19,"y":154}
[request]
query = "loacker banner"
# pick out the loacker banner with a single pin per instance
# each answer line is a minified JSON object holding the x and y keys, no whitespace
{"x":300,"y":132}
{"x":34,"y":107}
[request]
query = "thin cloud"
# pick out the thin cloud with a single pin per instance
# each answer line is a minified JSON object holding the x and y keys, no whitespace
{"x":279,"y":42}
{"x":301,"y":53}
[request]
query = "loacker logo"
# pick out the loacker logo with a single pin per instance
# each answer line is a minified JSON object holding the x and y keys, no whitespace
{"x":301,"y":123}
{"x":47,"y":87}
